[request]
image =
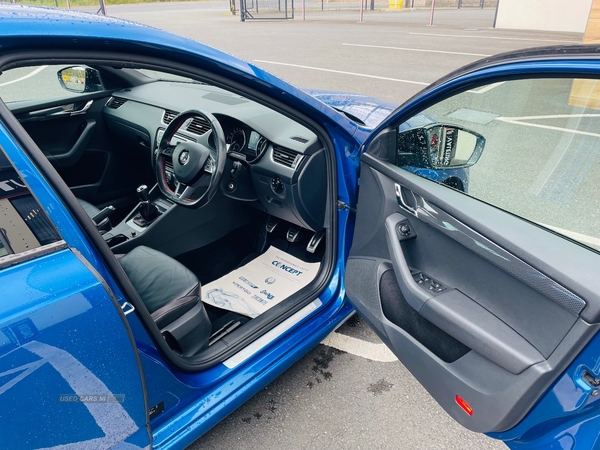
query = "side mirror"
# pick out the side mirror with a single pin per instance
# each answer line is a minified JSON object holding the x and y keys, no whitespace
{"x":80,"y":79}
{"x":438,"y":146}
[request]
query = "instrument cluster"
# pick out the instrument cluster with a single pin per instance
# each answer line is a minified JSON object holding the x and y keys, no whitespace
{"x":246,"y":143}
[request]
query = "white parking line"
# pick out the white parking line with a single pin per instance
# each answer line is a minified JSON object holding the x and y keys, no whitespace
{"x":516,"y":121}
{"x":343,"y":72}
{"x":421,"y":83}
{"x":415,"y":50}
{"x":495,"y":37}
{"x":358,"y":347}
{"x":29,"y":75}
{"x":554,"y":158}
{"x":551,"y":116}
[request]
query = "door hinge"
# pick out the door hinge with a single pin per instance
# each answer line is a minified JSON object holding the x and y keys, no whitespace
{"x":344,"y":206}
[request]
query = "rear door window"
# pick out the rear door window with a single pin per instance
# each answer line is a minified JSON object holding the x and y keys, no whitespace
{"x":24,"y":224}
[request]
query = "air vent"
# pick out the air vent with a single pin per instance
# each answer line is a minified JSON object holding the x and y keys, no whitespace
{"x":286,"y":157}
{"x":198,"y":126}
{"x":299,"y":139}
{"x":168,"y":116}
{"x":116,"y":102}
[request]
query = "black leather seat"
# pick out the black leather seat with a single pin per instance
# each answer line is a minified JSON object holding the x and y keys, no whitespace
{"x":158,"y":278}
{"x":171,"y":293}
{"x":89,"y":209}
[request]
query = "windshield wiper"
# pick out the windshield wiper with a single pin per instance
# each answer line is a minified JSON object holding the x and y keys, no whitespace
{"x":352,"y":117}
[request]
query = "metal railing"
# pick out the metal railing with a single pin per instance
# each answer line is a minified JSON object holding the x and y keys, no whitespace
{"x":265,"y":9}
{"x":471,"y":13}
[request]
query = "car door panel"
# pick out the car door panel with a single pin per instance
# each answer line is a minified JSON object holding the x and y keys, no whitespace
{"x":50,"y":335}
{"x":496,"y":327}
{"x":73,"y":136}
{"x":62,"y":155}
{"x":60,"y":126}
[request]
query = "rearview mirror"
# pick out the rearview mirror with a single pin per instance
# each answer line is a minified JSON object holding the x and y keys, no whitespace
{"x":438,"y":146}
{"x":80,"y":79}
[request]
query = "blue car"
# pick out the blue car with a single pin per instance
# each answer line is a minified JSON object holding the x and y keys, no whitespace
{"x":178,"y":227}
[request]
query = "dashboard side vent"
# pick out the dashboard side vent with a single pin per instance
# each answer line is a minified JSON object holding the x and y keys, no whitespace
{"x":286,"y":157}
{"x":198,"y":126}
{"x":299,"y":139}
{"x":168,"y":116}
{"x":116,"y":102}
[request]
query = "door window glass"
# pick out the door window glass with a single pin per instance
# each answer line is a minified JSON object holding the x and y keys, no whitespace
{"x":24,"y":224}
{"x":539,"y":157}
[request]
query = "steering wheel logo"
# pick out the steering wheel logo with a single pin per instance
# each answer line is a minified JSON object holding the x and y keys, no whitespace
{"x":184,"y":157}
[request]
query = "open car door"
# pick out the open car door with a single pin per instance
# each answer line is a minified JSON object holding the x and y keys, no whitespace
{"x":475,"y":254}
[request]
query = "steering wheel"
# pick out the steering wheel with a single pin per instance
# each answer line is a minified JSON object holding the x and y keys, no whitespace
{"x":196,"y":165}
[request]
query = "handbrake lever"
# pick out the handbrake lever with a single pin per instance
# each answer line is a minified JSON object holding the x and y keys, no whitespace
{"x":102,"y":215}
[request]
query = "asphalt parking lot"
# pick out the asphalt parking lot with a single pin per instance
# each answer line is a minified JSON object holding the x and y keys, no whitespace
{"x":350,"y":393}
{"x":387,"y":60}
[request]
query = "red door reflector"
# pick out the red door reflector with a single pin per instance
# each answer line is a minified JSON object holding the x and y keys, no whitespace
{"x":464,"y":405}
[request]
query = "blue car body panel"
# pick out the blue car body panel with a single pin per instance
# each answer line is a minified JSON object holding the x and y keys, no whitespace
{"x":370,"y":111}
{"x":72,"y":317}
{"x":49,"y":327}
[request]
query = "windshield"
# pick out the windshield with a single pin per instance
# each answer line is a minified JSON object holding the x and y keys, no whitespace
{"x":163,"y":76}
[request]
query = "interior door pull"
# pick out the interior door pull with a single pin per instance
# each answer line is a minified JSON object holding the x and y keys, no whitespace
{"x":413,"y":293}
{"x":80,"y":109}
{"x":72,"y":109}
{"x":72,"y":156}
{"x":406,"y":198}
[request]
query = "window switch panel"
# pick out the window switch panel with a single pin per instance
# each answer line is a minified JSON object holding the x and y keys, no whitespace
{"x":428,"y":283}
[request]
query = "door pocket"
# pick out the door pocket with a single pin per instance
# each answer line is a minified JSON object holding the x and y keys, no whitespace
{"x":398,"y":311}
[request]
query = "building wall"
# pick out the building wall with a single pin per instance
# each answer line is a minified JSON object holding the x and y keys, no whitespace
{"x":548,"y":15}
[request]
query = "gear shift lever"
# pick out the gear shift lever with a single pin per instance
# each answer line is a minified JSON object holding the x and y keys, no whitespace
{"x":142,"y":192}
{"x":148,"y":210}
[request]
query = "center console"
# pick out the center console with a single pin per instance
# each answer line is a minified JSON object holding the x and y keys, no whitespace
{"x":173,"y":229}
{"x":151,"y":207}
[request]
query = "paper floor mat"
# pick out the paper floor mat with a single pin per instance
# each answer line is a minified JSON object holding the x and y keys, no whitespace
{"x":262,"y":283}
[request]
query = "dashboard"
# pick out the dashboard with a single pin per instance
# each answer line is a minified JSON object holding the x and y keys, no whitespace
{"x":273,"y":162}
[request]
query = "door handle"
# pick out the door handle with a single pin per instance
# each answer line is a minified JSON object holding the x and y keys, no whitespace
{"x":406,"y":199}
{"x":79,"y":109}
{"x":72,"y":109}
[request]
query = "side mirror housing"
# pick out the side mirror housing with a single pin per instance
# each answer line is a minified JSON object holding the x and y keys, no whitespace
{"x":80,"y":79}
{"x":439,"y":146}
